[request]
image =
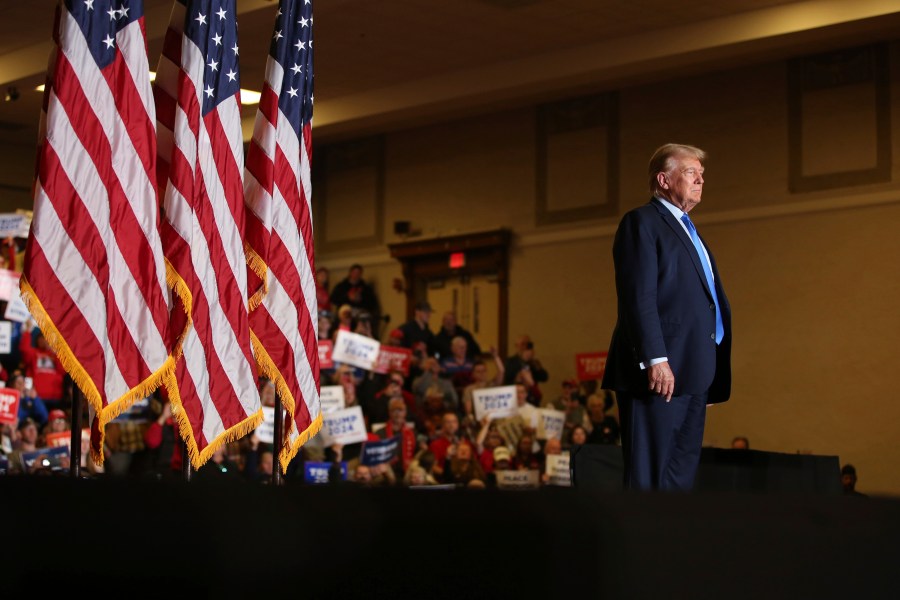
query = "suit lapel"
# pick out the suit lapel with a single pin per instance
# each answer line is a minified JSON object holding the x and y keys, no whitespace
{"x":670,"y":220}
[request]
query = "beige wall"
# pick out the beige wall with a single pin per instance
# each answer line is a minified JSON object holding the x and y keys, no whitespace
{"x":813,"y":278}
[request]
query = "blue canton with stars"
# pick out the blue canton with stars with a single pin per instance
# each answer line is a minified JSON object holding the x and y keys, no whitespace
{"x":101,"y":20}
{"x":212,"y":26}
{"x":292,"y":47}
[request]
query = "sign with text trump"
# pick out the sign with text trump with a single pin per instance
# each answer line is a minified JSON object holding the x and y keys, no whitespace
{"x":345,"y":426}
{"x":355,"y":349}
{"x":590,"y":365}
{"x":496,"y":401}
{"x":9,"y":405}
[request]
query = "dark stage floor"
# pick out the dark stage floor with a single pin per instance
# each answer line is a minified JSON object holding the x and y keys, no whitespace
{"x":135,"y":538}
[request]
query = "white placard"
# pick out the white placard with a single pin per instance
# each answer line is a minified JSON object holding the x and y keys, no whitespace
{"x":518,"y":480}
{"x":558,"y":469}
{"x":9,"y":283}
{"x":331,"y":398}
{"x":5,"y":337}
{"x":266,"y":430}
{"x":14,"y":225}
{"x":355,"y":349}
{"x":550,"y":424}
{"x":345,"y":426}
{"x":16,"y":309}
{"x":496,"y":401}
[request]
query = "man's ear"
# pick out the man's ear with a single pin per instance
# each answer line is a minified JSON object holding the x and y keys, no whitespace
{"x":663,"y":180}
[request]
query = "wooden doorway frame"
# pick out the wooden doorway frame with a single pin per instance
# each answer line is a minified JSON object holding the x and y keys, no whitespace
{"x":486,"y":253}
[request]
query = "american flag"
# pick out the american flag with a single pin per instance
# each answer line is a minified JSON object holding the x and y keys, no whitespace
{"x":94,"y":276}
{"x":278,"y":191}
{"x":215,"y":388}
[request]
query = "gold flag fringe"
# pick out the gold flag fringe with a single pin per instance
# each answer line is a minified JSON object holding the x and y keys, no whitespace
{"x":57,"y":342}
{"x":258,"y":266}
{"x":267,"y":367}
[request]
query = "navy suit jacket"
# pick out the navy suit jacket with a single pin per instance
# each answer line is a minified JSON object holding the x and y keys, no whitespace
{"x":665,"y":309}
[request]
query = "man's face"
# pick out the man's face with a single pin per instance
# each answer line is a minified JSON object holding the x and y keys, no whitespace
{"x":521,"y":395}
{"x":479,"y":373}
{"x":450,"y":424}
{"x":355,"y":275}
{"x":684,"y":184}
{"x":448,"y":321}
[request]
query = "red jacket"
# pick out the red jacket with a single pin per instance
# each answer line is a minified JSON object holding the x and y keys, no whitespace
{"x":43,"y":367}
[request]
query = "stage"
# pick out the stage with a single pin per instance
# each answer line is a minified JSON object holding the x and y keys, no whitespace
{"x":126,"y":538}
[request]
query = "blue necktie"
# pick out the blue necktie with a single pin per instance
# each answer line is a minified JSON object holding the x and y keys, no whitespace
{"x":707,"y":269}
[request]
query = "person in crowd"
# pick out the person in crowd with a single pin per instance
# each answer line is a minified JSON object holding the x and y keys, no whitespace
{"x":259,"y":460}
{"x":604,"y":428}
{"x":397,"y":426}
{"x":525,"y":359}
{"x":670,"y":354}
{"x":416,"y":476}
{"x":31,"y":405}
{"x":447,"y":443}
{"x":345,"y":319}
{"x":424,"y":460}
{"x":848,"y":481}
{"x":431,"y":379}
{"x":43,"y":366}
{"x":458,"y":366}
{"x":502,"y":462}
{"x":450,"y":328}
{"x":568,"y":392}
{"x":356,"y":292}
{"x":552,"y":447}
{"x":576,"y":415}
{"x":463,"y":466}
{"x":326,"y":322}
{"x":267,"y":392}
{"x":488,"y":439}
{"x":481,"y":379}
{"x":534,"y":396}
{"x":527,"y":456}
{"x":374,"y":476}
{"x":57,"y":422}
{"x":578,"y":436}
{"x":418,"y":337}
{"x":164,"y":446}
{"x":323,"y":286}
{"x":220,"y":467}
{"x":28,"y":436}
{"x":524,"y":422}
{"x":740,"y":443}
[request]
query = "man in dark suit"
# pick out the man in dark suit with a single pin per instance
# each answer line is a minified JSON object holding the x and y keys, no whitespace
{"x":670,"y":353}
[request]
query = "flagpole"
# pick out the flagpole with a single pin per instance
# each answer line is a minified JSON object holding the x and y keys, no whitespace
{"x":75,"y":437}
{"x":279,"y":428}
{"x":185,"y":462}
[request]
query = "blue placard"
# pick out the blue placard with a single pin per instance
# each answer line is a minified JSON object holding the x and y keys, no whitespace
{"x":317,"y":472}
{"x":4,"y":465}
{"x":382,"y":451}
{"x":55,"y":459}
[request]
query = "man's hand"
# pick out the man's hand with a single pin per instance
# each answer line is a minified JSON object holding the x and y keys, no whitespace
{"x":662,"y":380}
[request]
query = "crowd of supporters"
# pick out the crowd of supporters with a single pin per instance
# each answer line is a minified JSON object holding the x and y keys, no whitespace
{"x":428,"y":407}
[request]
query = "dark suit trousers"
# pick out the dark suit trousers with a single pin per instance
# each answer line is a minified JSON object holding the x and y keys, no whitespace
{"x":661,"y":440}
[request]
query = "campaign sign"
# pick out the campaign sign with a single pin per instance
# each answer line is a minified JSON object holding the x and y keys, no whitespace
{"x":139,"y":412}
{"x":550,"y":424}
{"x":14,"y":225}
{"x":382,"y":451}
{"x":4,"y":465}
{"x":317,"y":472}
{"x":345,"y":426}
{"x":355,"y":349}
{"x":518,"y":480}
{"x":590,"y":365}
{"x":5,"y":337}
{"x":55,"y":459}
{"x":496,"y":401}
{"x":9,"y":405}
{"x":59,"y":438}
{"x":558,"y":470}
{"x":326,"y":347}
{"x":331,"y":397}
{"x":266,"y":429}
{"x":16,"y":309}
{"x":393,"y":358}
{"x":9,"y":284}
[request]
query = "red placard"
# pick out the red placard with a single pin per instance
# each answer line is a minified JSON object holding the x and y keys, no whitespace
{"x":59,"y":438}
{"x":9,"y":405}
{"x":393,"y":358}
{"x":590,"y":365}
{"x":325,"y":349}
